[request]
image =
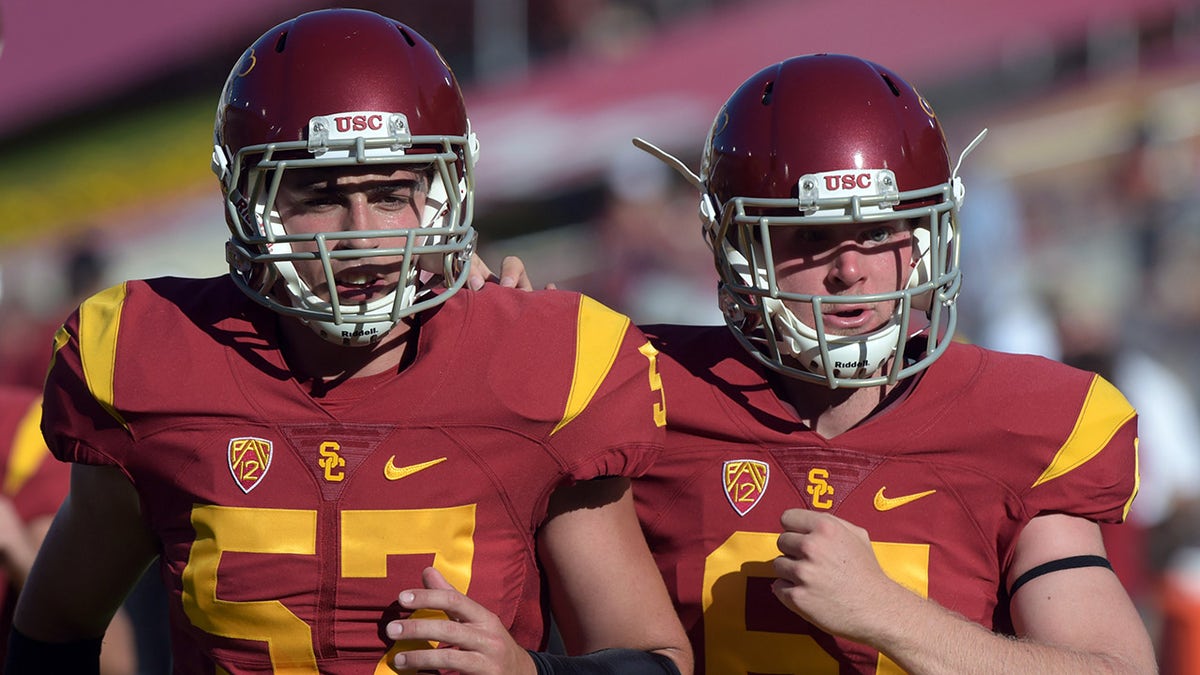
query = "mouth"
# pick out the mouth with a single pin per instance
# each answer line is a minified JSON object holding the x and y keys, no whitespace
{"x":359,"y":286}
{"x":847,"y":318}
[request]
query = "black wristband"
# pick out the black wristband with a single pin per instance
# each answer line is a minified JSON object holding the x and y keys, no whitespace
{"x":29,"y":655}
{"x":1056,"y":565}
{"x":605,"y":662}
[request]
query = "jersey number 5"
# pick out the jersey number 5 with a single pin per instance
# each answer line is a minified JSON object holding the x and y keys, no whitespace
{"x":447,"y":533}
{"x":732,"y":649}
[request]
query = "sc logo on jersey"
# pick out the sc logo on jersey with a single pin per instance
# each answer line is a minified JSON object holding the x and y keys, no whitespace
{"x":820,"y":489}
{"x":332,"y":462}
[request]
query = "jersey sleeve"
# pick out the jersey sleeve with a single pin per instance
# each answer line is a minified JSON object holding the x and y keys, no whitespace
{"x":614,"y":415}
{"x":80,"y":421}
{"x":1094,"y":472}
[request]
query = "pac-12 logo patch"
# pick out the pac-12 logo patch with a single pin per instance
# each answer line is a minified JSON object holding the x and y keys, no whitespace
{"x":249,"y":459}
{"x":745,"y":483}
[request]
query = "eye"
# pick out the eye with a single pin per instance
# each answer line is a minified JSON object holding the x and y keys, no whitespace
{"x":802,"y":240}
{"x":320,"y":202}
{"x":888,"y":232}
{"x":306,"y":202}
{"x":810,"y":235}
{"x":879,"y":235}
{"x":394,"y":198}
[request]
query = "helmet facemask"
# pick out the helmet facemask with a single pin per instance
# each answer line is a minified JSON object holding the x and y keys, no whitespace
{"x":754,"y":304}
{"x":262,"y":254}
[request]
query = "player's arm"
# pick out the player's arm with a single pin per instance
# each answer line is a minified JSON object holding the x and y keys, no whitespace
{"x":118,"y":655}
{"x":96,"y":549}
{"x":605,"y":589}
{"x":1084,"y":608}
{"x":607,"y":594}
{"x":1074,"y":620}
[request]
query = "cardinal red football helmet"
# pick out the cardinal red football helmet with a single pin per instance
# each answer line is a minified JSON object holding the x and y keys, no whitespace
{"x":818,"y":140}
{"x":342,"y":87}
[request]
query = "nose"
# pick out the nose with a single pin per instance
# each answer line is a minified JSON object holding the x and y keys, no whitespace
{"x":359,"y":218}
{"x":847,"y":268}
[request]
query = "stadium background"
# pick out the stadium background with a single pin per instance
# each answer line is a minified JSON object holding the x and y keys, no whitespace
{"x":1081,"y":228}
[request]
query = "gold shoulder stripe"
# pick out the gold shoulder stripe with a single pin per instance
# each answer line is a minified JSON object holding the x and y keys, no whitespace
{"x":598,"y":338}
{"x":61,"y":337}
{"x":99,"y":321}
{"x":1104,"y":412}
{"x":28,"y":450}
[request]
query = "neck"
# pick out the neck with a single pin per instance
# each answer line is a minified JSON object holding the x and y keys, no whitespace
{"x":313,"y":359}
{"x":831,"y":412}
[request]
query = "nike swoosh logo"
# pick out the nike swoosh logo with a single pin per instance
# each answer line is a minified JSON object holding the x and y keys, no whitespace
{"x":888,"y":503}
{"x":393,"y":472}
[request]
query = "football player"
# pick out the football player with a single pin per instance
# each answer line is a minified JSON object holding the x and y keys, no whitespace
{"x":937,"y":499}
{"x":33,"y":487}
{"x":342,"y":463}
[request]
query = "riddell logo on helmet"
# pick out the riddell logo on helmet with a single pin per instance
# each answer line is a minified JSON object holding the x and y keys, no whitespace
{"x":357,"y":332}
{"x":347,"y":123}
{"x":848,"y":181}
{"x":849,"y":364}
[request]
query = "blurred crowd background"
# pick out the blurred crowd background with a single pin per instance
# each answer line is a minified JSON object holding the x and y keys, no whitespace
{"x":1080,"y":232}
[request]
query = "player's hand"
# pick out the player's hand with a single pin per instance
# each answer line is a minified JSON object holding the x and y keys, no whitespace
{"x":472,"y":641}
{"x":828,"y":574}
{"x":512,"y":274}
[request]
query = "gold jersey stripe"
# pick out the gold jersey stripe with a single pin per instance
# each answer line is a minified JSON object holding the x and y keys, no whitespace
{"x":99,"y":320}
{"x":1104,"y":412}
{"x":598,"y":338}
{"x":28,"y":450}
{"x":1137,"y":478}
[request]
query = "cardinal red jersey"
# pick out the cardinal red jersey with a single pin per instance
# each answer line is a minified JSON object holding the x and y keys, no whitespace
{"x":33,"y":480}
{"x":288,"y":523}
{"x":943,"y":481}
